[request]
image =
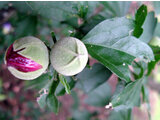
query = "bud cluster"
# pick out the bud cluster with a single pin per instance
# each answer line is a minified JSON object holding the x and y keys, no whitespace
{"x":27,"y":58}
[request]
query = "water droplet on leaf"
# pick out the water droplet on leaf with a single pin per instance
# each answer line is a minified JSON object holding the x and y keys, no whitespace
{"x":108,"y":106}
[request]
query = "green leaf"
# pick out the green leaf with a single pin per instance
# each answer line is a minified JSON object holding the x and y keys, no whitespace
{"x":100,"y":96}
{"x":54,"y":85}
{"x":82,"y":9}
{"x":52,"y":103}
{"x":127,"y":97}
{"x":151,"y":65}
{"x":76,"y":100}
{"x":87,"y":8}
{"x":141,"y":15}
{"x":81,"y":115}
{"x":37,"y":83}
{"x":65,"y":84}
{"x":45,"y":82}
{"x":1,"y":58}
{"x":139,"y":68}
{"x":90,"y":79}
{"x":7,"y":115}
{"x":157,"y":30}
{"x":26,"y":26}
{"x":22,"y":7}
{"x":53,"y":10}
{"x":3,"y":4}
{"x":139,"y":20}
{"x":145,"y":96}
{"x":137,"y":31}
{"x":116,"y":8}
{"x":71,"y":21}
{"x":49,"y":98}
{"x":148,"y":27}
{"x":61,"y":89}
{"x":90,"y":23}
{"x":42,"y":100}
{"x":156,"y":7}
{"x":92,"y":7}
{"x":125,"y":114}
{"x":111,"y":44}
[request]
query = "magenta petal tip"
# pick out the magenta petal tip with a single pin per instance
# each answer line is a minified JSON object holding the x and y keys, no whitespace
{"x":20,"y":62}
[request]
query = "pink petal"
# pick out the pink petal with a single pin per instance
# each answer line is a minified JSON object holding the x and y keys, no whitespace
{"x":20,"y":62}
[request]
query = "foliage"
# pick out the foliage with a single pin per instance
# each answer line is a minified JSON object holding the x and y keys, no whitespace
{"x":107,"y":44}
{"x":100,"y":96}
{"x":139,"y":20}
{"x":115,"y":8}
{"x":148,"y":27}
{"x":127,"y":97}
{"x":97,"y":73}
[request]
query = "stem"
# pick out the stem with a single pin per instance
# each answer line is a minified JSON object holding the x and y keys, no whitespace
{"x":53,"y":37}
{"x":54,"y":84}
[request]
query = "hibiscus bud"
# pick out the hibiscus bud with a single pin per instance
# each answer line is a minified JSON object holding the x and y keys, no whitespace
{"x":69,"y":56}
{"x":27,"y":58}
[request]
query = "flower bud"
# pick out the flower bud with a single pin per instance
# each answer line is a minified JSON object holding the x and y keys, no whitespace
{"x":27,"y":58}
{"x":69,"y":56}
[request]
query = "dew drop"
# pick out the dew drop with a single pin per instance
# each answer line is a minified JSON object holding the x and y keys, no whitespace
{"x":108,"y":106}
{"x":70,"y":31}
{"x":124,"y":64}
